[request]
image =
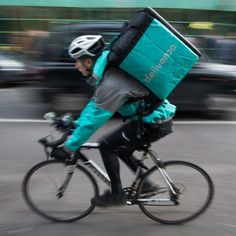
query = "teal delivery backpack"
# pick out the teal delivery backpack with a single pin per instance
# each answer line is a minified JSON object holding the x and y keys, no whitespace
{"x":153,"y":52}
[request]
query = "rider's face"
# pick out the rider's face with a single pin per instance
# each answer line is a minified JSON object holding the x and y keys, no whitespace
{"x":85,"y":66}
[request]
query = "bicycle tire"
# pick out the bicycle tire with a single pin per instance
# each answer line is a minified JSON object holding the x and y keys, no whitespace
{"x":34,"y":176}
{"x":169,"y":211}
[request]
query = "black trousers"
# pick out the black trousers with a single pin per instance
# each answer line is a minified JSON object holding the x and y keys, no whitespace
{"x":126,"y":136}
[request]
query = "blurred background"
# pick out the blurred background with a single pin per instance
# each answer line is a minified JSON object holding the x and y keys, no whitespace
{"x":35,"y":35}
{"x":37,"y":76}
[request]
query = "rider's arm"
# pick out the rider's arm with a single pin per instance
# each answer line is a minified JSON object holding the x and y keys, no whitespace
{"x":92,"y":118}
{"x":106,"y":101}
{"x":109,"y":96}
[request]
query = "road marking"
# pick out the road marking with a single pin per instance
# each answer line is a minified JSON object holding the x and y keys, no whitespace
{"x":22,"y":120}
{"x":19,"y":88}
{"x":19,"y":231}
{"x":228,"y":225}
{"x":213,"y":122}
{"x":6,"y":90}
{"x":175,"y":122}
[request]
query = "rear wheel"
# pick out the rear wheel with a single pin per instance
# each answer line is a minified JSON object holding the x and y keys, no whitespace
{"x":42,"y":184}
{"x":194,"y":187}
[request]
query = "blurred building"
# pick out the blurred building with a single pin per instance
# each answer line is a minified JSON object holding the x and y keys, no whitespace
{"x":23,"y":20}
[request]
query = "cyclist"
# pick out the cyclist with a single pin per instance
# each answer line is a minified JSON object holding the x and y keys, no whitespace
{"x":116,"y":91}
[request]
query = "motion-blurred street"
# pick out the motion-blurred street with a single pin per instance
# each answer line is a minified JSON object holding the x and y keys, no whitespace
{"x":210,"y":144}
{"x":158,"y":43}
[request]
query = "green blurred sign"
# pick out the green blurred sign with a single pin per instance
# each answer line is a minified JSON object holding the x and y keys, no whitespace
{"x":183,"y":4}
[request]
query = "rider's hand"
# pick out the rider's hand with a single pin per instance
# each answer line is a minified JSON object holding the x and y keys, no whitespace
{"x":61,"y":154}
{"x":66,"y":121}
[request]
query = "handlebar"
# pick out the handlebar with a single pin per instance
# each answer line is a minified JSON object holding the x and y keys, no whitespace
{"x":65,"y":124}
{"x":47,"y":143}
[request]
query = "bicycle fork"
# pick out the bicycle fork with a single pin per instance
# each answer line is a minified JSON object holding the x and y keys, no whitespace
{"x":66,"y":182}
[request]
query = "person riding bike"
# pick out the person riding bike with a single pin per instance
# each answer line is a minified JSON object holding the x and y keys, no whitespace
{"x":115,"y":92}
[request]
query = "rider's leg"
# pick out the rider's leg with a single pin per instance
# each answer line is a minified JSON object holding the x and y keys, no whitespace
{"x":129,"y":159}
{"x":111,"y":163}
{"x":119,"y":138}
{"x":112,"y":166}
{"x":125,"y":136}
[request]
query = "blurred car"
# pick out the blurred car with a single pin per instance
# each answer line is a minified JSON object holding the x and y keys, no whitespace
{"x":207,"y":87}
{"x":15,"y":69}
{"x":223,"y":50}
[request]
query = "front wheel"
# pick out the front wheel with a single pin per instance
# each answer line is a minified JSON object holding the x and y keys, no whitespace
{"x":42,"y":186}
{"x":194,"y":188}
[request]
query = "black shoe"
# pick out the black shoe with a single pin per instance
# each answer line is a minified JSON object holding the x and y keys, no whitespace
{"x":109,"y":199}
{"x":149,"y":188}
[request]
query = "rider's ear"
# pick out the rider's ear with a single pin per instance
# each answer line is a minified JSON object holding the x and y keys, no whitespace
{"x":89,"y":61}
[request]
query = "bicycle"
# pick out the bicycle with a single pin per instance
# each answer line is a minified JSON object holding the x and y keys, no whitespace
{"x":61,"y":191}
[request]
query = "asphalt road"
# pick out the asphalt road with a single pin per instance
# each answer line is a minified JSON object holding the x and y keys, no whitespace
{"x":211,"y":146}
{"x":208,"y":144}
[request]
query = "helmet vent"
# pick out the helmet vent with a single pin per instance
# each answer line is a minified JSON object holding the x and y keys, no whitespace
{"x":76,"y":50}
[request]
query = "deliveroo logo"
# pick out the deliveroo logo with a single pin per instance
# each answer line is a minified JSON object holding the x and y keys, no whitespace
{"x":156,"y":68}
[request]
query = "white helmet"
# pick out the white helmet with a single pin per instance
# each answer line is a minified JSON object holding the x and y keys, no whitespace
{"x":86,"y":45}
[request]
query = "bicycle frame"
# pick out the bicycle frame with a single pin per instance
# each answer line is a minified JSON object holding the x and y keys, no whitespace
{"x":160,"y":166}
{"x":78,"y":156}
{"x":146,"y":153}
{"x":91,"y":164}
{"x":95,"y":168}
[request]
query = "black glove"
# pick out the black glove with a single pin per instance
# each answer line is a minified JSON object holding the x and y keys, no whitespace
{"x":60,"y":154}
